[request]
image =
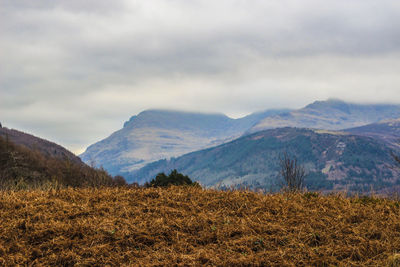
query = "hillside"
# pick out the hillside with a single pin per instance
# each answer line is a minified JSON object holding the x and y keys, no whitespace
{"x":158,"y":134}
{"x":24,"y":168}
{"x":180,"y":226}
{"x":387,"y":131}
{"x":334,"y":161}
{"x":330,"y":115}
{"x":45,"y":147}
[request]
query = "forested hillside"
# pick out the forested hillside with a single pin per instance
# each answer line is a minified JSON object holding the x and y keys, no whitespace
{"x":24,"y":168}
{"x":387,"y":131}
{"x":333,"y":161}
{"x":31,"y":142}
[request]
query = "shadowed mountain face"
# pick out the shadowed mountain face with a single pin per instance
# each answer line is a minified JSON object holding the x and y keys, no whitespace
{"x":387,"y":131}
{"x":158,"y":134}
{"x":46,"y":148}
{"x":334,"y":161}
{"x":330,"y":115}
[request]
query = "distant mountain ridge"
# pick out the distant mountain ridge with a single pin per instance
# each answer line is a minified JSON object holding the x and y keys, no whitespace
{"x":156,"y":134}
{"x":334,"y":161}
{"x":332,"y":114}
{"x":387,"y":131}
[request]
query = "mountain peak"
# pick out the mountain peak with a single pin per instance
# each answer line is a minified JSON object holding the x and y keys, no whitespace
{"x":330,"y":103}
{"x":159,"y":133}
{"x":331,"y":114}
{"x":171,"y":116}
{"x":334,"y":99}
{"x":174,"y":119}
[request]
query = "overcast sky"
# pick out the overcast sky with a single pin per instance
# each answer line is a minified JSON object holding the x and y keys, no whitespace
{"x":72,"y":71}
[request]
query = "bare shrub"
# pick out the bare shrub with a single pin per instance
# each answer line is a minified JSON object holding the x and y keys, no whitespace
{"x":292,"y":173}
{"x":119,"y":181}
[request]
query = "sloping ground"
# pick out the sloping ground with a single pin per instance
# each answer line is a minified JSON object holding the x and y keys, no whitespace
{"x":189,"y":226}
{"x":387,"y":131}
{"x":22,"y":168}
{"x":47,"y":148}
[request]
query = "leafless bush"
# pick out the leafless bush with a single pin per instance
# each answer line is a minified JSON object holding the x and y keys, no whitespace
{"x":119,"y":181}
{"x":292,"y":172}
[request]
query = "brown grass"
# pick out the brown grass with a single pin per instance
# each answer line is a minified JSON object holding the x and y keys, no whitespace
{"x":190,"y":226}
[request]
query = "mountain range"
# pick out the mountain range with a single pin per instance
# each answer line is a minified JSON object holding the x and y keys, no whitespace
{"x":343,"y":146}
{"x":388,"y":131}
{"x":157,"y":134}
{"x":154,"y":135}
{"x":332,"y":114}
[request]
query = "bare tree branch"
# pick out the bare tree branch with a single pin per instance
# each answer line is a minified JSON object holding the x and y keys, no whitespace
{"x":292,"y":172}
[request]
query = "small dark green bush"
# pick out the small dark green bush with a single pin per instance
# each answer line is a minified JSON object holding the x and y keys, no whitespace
{"x":174,"y":178}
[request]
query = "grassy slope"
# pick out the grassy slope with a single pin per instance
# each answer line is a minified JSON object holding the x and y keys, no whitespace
{"x":191,"y":226}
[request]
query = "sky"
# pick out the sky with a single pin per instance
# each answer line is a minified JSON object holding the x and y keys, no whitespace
{"x":73,"y":71}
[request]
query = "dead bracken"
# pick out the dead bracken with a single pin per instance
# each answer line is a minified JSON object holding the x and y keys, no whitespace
{"x":192,"y":226}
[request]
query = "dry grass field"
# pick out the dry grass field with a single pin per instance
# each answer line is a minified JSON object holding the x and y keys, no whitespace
{"x":187,"y":226}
